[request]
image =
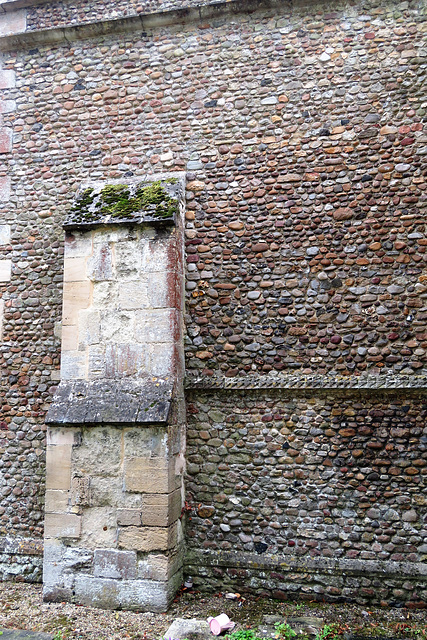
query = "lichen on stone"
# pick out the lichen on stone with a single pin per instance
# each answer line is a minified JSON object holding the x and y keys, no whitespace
{"x":113,"y":203}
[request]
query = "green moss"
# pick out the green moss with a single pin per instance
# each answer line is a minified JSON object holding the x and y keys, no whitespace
{"x":116,"y":200}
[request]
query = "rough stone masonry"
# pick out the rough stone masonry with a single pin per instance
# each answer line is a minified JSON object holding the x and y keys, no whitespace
{"x":300,"y":128}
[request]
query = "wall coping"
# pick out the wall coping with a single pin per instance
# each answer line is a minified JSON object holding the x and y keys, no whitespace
{"x":128,"y":24}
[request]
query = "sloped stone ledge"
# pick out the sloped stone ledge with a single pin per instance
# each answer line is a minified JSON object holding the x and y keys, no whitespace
{"x":112,"y":402}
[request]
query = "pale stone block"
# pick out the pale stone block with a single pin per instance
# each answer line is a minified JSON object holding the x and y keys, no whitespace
{"x":100,"y":453}
{"x":13,"y":22}
{"x":80,"y":491}
{"x":155,"y":325}
{"x":159,"y":290}
{"x":4,"y":188}
{"x":52,"y":562}
{"x":148,"y":475}
{"x":106,"y":491}
{"x":128,"y":261}
{"x":162,"y":360}
{"x":66,"y":525}
{"x":144,"y":538}
{"x":78,"y":245}
{"x":58,"y":466}
{"x":100,"y":264}
{"x":152,"y":441}
{"x":133,"y":295}
{"x":89,"y":327}
{"x":62,"y":436}
{"x":105,"y":295}
{"x":73,"y":365}
{"x":6,"y":138}
{"x":56,"y":501}
{"x":111,"y":563}
{"x":156,"y":255}
{"x":125,"y":360}
{"x":1,"y":318}
{"x":7,"y":79}
{"x":107,"y":593}
{"x":99,"y":527}
{"x":4,"y":233}
{"x":96,"y":362}
{"x":161,"y":510}
{"x":76,"y":296}
{"x":69,"y":338}
{"x":129,"y":517}
{"x":75,"y":269}
{"x":159,"y":566}
{"x":5,"y":270}
{"x":7,"y":106}
{"x":117,"y":326}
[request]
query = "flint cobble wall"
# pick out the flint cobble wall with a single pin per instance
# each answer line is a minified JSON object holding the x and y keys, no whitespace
{"x":302,"y":133}
{"x":306,"y":478}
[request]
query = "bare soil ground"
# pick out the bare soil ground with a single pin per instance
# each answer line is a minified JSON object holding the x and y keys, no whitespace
{"x":22,"y":607}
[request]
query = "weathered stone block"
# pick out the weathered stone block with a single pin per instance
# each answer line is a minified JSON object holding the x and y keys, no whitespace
{"x":148,"y":475}
{"x":5,"y":140}
{"x":159,"y":566}
{"x":58,"y":467}
{"x":78,"y":245}
{"x":56,"y":501}
{"x":100,"y":264}
{"x":76,"y":296}
{"x":5,"y":270}
{"x":99,"y":453}
{"x":89,"y":327}
{"x":155,"y":325}
{"x":62,"y":525}
{"x":69,"y":338}
{"x":4,"y":188}
{"x":125,"y":360}
{"x":75,"y":269}
{"x":13,"y":22}
{"x":107,"y":593}
{"x":129,"y":517}
{"x":7,"y":79}
{"x":133,"y":295}
{"x":161,"y":510}
{"x":146,"y":538}
{"x":163,"y":359}
{"x":110,"y":563}
{"x":4,"y":232}
{"x":99,"y":527}
{"x":73,"y":365}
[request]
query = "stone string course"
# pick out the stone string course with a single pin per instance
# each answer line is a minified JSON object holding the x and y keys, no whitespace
{"x":302,"y":132}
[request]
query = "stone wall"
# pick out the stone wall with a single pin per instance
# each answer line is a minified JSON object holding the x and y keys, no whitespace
{"x":301,"y":128}
{"x":300,"y":477}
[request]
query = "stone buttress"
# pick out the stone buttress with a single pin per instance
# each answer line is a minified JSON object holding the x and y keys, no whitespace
{"x":114,"y":486}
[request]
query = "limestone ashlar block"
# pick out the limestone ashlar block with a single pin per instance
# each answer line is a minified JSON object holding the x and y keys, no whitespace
{"x":111,"y":563}
{"x":156,"y":566}
{"x":7,"y":106}
{"x":75,"y":269}
{"x":108,"y":593}
{"x":99,"y":527}
{"x":5,"y":140}
{"x":4,"y":234}
{"x":156,"y":325}
{"x":125,"y":360}
{"x":4,"y":188}
{"x":76,"y":296}
{"x":5,"y":270}
{"x":163,"y":359}
{"x":148,"y":538}
{"x":148,"y":475}
{"x":69,"y":338}
{"x":58,"y":467}
{"x":56,"y":501}
{"x":7,"y":79}
{"x":161,"y":510}
{"x":62,"y":525}
{"x":73,"y":365}
{"x":13,"y":22}
{"x":129,"y":517}
{"x":133,"y":295}
{"x":89,"y":327}
{"x":1,"y":318}
{"x":100,"y":264}
{"x":78,"y":245}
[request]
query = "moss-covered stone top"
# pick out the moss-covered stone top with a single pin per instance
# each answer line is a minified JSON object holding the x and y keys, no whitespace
{"x":150,"y":202}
